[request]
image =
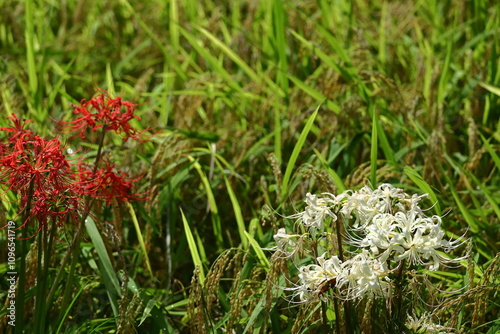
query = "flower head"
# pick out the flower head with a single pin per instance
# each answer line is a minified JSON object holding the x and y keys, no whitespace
{"x":364,"y":276}
{"x":425,"y":325}
{"x":317,"y":210}
{"x":38,"y":171}
{"x":315,"y":279}
{"x":18,"y":128}
{"x":108,"y":114}
{"x":106,"y":182}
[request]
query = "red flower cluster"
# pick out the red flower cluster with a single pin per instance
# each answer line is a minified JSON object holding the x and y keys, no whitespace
{"x":103,"y":112}
{"x":106,"y":184}
{"x":37,"y":169}
{"x":53,"y":188}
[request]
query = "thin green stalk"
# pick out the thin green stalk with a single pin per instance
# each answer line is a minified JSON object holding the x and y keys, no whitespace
{"x":338,"y":315}
{"x":325,"y":318}
{"x":69,"y":282}
{"x":42,"y":272}
{"x":397,"y":314}
{"x":39,"y":280}
{"x":22,"y":270}
{"x":99,"y":153}
{"x":63,"y":264}
{"x":77,"y":237}
{"x":47,"y":259}
{"x":347,"y":305}
{"x":20,"y":285}
{"x":339,"y":239}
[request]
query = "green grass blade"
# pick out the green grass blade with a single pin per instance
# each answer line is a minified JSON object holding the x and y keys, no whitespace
{"x":105,"y":267}
{"x":484,"y":191}
{"x":424,"y":186}
{"x":29,"y":35}
{"x":211,"y":202}
{"x":295,"y":154}
{"x":214,"y":63}
{"x":201,"y":248}
{"x":159,"y":43}
{"x":336,"y":178}
{"x":237,"y":213}
{"x":277,"y":134}
{"x":314,"y":94}
{"x":192,"y":247}
{"x":139,"y":237}
{"x":259,"y":308}
{"x":469,"y":218}
{"x":374,"y":151}
{"x":384,"y":144}
{"x":258,"y":251}
{"x":258,"y":147}
{"x":58,"y":330}
{"x":109,"y":81}
{"x":174,"y":26}
{"x":232,"y":55}
{"x":279,"y":27}
{"x":491,"y":151}
{"x":382,"y":54}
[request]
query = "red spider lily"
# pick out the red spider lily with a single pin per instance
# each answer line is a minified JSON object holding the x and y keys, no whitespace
{"x":38,"y":171}
{"x":38,"y":160}
{"x":18,"y":130}
{"x":106,"y":184}
{"x":55,"y":205}
{"x":46,"y":182}
{"x":103,"y":112}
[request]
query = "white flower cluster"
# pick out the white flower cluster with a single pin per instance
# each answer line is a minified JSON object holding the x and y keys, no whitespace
{"x":384,"y":228}
{"x":424,"y":325}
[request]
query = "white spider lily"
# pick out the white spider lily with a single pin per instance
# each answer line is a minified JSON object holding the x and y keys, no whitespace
{"x":386,"y":225}
{"x":364,"y":276}
{"x":424,"y":325}
{"x":316,"y":211}
{"x":313,"y":277}
{"x":287,"y":244}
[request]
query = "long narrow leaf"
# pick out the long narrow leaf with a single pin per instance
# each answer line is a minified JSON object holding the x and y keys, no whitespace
{"x":314,"y":94}
{"x":424,"y":186}
{"x":105,"y":267}
{"x":491,"y":151}
{"x":211,"y":202}
{"x":296,"y":152}
{"x":374,"y":150}
{"x":139,"y":237}
{"x":336,"y":178}
{"x":192,"y":247}
{"x":237,"y":213}
{"x":469,"y":218}
{"x":260,"y":254}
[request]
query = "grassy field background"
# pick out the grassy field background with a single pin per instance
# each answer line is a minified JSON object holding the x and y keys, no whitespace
{"x":406,"y":92}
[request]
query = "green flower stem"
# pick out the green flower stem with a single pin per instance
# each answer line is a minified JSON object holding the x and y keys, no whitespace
{"x":22,"y":270}
{"x":338,"y":315}
{"x":347,"y":304}
{"x":44,"y":245}
{"x":69,"y":282}
{"x":50,"y":297}
{"x":398,"y":313}
{"x":325,"y":318}
{"x":99,"y":151}
{"x":20,"y":284}
{"x":74,"y":250}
